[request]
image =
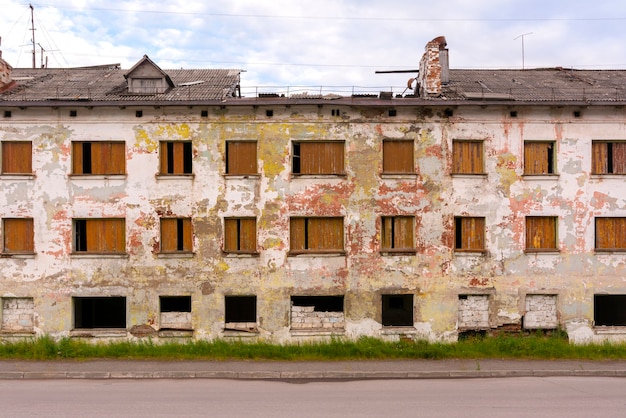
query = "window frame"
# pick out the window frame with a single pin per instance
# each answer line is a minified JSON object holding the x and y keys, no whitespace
{"x":464,"y":225}
{"x":170,"y":229}
{"x":392,"y":156}
{"x":92,"y":156}
{"x":530,"y":246}
{"x":540,"y":161}
{"x":237,"y":166}
{"x":176,"y":158}
{"x":603,"y":161}
{"x":23,"y":157}
{"x":240,"y":230}
{"x":337,"y":166}
{"x":389,"y":225}
{"x":24,"y":227}
{"x":458,"y":157}
{"x":82,"y":233}
{"x":302,"y":237}
{"x":615,"y":224}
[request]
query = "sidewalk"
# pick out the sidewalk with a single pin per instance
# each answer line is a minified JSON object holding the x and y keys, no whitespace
{"x":309,"y":370}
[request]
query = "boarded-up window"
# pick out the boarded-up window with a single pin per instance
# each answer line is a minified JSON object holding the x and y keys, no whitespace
{"x":18,"y":235}
{"x":176,"y":158}
{"x":100,"y":235}
{"x":540,"y":233}
{"x":397,"y":233}
{"x":467,"y":157}
{"x":610,"y":233}
{"x":318,"y":157}
{"x":17,"y":157}
{"x":241,"y":157}
{"x":98,"y":157}
{"x":240,"y":235}
{"x":398,"y":157}
{"x":469,"y":234}
{"x":316,"y":235}
{"x":538,"y":157}
{"x":608,"y":157}
{"x":176,"y":235}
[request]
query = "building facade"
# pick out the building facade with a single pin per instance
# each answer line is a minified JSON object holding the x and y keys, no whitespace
{"x":167,"y":204}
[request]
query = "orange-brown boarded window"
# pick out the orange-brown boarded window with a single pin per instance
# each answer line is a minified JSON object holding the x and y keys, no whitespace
{"x":18,"y":235}
{"x":176,"y":157}
{"x":540,"y":233}
{"x":100,"y":235}
{"x":99,"y":157}
{"x":316,"y":234}
{"x":469,"y":234}
{"x":397,"y":233}
{"x":608,"y":157}
{"x":176,"y":235}
{"x":610,"y":233}
{"x":240,"y":235}
{"x":398,"y":157}
{"x":241,"y":157}
{"x":17,"y":157}
{"x":318,"y":157}
{"x":467,"y":157}
{"x":538,"y":157}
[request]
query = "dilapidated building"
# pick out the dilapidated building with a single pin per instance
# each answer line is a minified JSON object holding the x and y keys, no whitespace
{"x":146,"y":202}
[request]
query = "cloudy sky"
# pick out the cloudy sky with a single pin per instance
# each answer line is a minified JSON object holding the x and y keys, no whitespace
{"x":317,"y":42}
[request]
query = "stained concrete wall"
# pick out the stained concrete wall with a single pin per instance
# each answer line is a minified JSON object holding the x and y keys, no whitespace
{"x":435,"y":274}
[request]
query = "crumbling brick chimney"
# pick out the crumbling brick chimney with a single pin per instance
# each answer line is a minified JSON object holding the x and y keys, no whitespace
{"x":434,"y":68}
{"x":5,"y":74}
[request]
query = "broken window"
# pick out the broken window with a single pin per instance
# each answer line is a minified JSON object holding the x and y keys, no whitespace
{"x":241,"y":157}
{"x":240,"y":235}
{"x":316,"y":235}
{"x":99,"y":235}
{"x":609,"y":310}
{"x":467,"y":157}
{"x":18,"y":314}
{"x":318,"y":157}
{"x":317,"y":313}
{"x":539,"y":157}
{"x":175,"y":312}
{"x":99,"y":312}
{"x":18,"y":235}
{"x":469,"y":234}
{"x":176,"y":235}
{"x":610,"y":234}
{"x":397,"y":233}
{"x":398,"y":157}
{"x":473,"y":312}
{"x":176,"y":158}
{"x":240,"y":313}
{"x":608,"y":157}
{"x":540,"y":312}
{"x":397,"y":310}
{"x":541,"y":233}
{"x":17,"y":157}
{"x":102,"y":157}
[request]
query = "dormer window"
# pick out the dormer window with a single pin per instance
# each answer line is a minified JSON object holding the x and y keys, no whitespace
{"x":146,"y":85}
{"x":147,"y":78}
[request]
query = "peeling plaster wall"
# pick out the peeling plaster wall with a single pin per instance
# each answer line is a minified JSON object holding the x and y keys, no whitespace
{"x":436,"y":275}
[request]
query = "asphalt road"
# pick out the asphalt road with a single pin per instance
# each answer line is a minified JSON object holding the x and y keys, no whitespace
{"x":570,"y":397}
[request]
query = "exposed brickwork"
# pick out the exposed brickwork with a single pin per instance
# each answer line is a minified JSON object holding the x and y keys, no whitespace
{"x":474,"y":312}
{"x":305,"y":317}
{"x":431,"y":68}
{"x":18,"y":314}
{"x":176,"y":320}
{"x":541,"y":312}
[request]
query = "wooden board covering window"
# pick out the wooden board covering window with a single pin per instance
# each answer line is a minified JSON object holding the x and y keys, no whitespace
{"x":176,"y":235}
{"x":610,"y":233}
{"x":316,"y":234}
{"x":467,"y":157}
{"x":540,"y":233}
{"x":397,"y":233}
{"x":470,"y":234}
{"x":17,"y":157}
{"x":18,"y":236}
{"x":105,"y":235}
{"x":398,"y":157}
{"x":608,"y":157}
{"x":103,"y":158}
{"x":241,"y":157}
{"x":538,"y":157}
{"x":321,"y":157}
{"x":240,"y":235}
{"x":173,"y":156}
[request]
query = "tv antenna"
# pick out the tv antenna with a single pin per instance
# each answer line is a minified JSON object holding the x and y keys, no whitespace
{"x":522,"y":36}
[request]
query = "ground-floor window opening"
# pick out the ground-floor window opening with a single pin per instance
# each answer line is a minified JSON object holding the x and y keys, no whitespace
{"x":317,"y":312}
{"x":473,"y":312}
{"x":240,"y":313}
{"x":540,"y":312}
{"x":18,"y":314}
{"x":397,"y":310}
{"x":175,"y":312}
{"x":100,"y":312}
{"x":609,"y":310}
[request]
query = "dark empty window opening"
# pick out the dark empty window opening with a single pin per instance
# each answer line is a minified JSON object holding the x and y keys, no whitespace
{"x":175,"y":303}
{"x":397,"y":310}
{"x":7,"y":113}
{"x":138,"y":113}
{"x":335,"y":112}
{"x":73,"y":113}
{"x":269,"y":113}
{"x":448,"y":112}
{"x":240,"y":309}
{"x":392,"y":112}
{"x":577,"y":113}
{"x":80,"y":234}
{"x":320,"y":303}
{"x":513,"y":113}
{"x":100,"y":312}
{"x":87,"y":158}
{"x":609,"y":310}
{"x":204,"y":113}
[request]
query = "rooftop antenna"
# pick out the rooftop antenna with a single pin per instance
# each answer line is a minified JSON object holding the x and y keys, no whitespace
{"x":522,"y":36}
{"x":32,"y":23}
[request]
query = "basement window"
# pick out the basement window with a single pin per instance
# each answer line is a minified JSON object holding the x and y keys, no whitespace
{"x":240,"y":235}
{"x":608,"y":157}
{"x":610,"y":234}
{"x":609,"y":310}
{"x":541,"y":312}
{"x":240,"y":313}
{"x":176,"y":158}
{"x":176,"y":235}
{"x":241,"y":158}
{"x":99,"y":312}
{"x":17,"y":157}
{"x":175,"y":312}
{"x":316,"y":235}
{"x":473,"y":312}
{"x":18,"y":314}
{"x":539,"y":157}
{"x":99,"y":158}
{"x":469,"y":234}
{"x":310,"y":313}
{"x":397,"y":310}
{"x":398,"y":157}
{"x":467,"y":157}
{"x":100,"y":236}
{"x":318,"y":157}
